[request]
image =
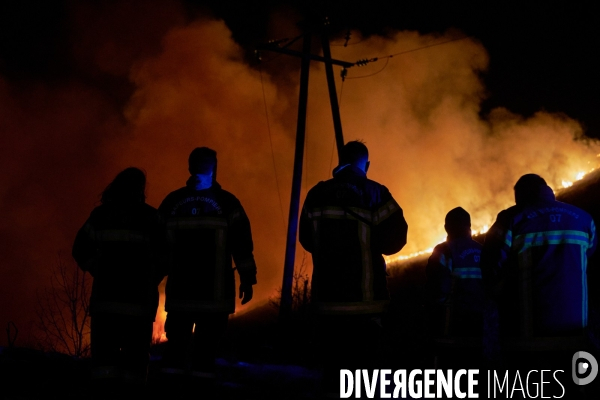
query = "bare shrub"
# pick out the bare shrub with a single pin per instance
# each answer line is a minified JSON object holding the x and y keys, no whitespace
{"x":63,"y":311}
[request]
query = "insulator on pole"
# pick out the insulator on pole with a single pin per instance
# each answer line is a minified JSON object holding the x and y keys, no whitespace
{"x":344,"y":73}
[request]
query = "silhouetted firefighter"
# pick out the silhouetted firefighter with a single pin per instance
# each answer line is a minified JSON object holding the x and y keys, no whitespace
{"x":206,"y":228}
{"x":119,"y":246}
{"x":347,"y":223}
{"x":455,"y":292}
{"x":534,"y":262}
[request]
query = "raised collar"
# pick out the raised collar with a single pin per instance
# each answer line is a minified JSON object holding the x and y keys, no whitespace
{"x":191,"y":183}
{"x":348,"y":169}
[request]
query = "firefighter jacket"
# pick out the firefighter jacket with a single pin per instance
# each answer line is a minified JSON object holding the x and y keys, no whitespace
{"x":535,"y":259}
{"x":119,"y":246}
{"x":455,"y":288}
{"x":205,"y":230}
{"x":347,"y":223}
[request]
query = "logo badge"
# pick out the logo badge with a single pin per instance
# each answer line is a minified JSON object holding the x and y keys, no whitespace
{"x":584,"y":367}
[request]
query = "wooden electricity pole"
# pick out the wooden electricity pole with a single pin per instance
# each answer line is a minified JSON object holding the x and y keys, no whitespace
{"x":306,"y":56}
{"x":290,"y":248}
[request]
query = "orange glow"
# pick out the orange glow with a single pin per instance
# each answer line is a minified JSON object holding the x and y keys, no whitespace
{"x":398,"y":257}
{"x":578,"y":176}
{"x":158,"y":329}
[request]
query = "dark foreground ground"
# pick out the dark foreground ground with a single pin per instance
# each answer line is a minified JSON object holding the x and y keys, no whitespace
{"x":29,"y":374}
{"x":259,"y":360}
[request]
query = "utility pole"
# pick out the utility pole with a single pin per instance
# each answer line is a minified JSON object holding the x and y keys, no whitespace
{"x":335,"y":109}
{"x":306,"y":56}
{"x":290,"y":248}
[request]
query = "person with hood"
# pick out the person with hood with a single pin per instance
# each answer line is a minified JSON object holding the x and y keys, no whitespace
{"x":119,"y":245}
{"x":206,"y":229}
{"x":347,"y":224}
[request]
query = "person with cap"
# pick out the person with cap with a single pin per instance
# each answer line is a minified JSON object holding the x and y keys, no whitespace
{"x":455,"y":291}
{"x":534,"y":265}
{"x":206,"y":228}
{"x":347,"y":223}
{"x":119,"y":246}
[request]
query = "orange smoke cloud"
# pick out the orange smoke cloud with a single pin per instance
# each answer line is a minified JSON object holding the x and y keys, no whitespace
{"x":420,"y":117}
{"x":200,"y":92}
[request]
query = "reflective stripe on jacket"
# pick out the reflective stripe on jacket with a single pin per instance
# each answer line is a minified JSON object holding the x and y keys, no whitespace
{"x":455,"y":287}
{"x":205,"y":230}
{"x":347,"y":223}
{"x":536,"y":258}
{"x":120,"y":245}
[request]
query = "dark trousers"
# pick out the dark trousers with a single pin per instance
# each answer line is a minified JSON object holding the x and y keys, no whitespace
{"x":192,"y":348}
{"x":347,"y":342}
{"x":120,"y":346}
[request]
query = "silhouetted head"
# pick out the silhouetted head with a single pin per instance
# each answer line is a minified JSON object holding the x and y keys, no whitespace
{"x":129,"y":186}
{"x":458,"y":223}
{"x":356,"y":154}
{"x":203,"y":161}
{"x":531,"y":188}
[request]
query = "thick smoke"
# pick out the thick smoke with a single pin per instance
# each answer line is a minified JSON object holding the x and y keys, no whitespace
{"x":200,"y":92}
{"x":176,"y":85}
{"x":419,"y":114}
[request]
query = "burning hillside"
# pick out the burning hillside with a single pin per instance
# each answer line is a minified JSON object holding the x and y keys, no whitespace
{"x":583,"y":193}
{"x":569,"y":192}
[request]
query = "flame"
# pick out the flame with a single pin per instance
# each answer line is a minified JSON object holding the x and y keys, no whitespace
{"x":158,"y":330}
{"x":578,"y":176}
{"x":566,"y":184}
{"x":397,"y":257}
{"x":481,"y":231}
{"x":392,"y":259}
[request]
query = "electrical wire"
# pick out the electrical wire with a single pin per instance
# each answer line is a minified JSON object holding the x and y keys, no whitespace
{"x":305,"y":155}
{"x":272,"y":152}
{"x":366,"y":61}
{"x":387,"y":60}
{"x":288,"y":42}
{"x":346,"y":44}
{"x":333,"y":144}
{"x":361,"y":62}
{"x":428,"y":46}
{"x":347,"y":38}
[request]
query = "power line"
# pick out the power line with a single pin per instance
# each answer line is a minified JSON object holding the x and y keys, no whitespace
{"x":276,"y":43}
{"x":365,"y":61}
{"x":346,"y":65}
{"x":333,"y":145}
{"x":426,"y":47}
{"x":347,"y":38}
{"x":271,"y":144}
{"x":387,"y":60}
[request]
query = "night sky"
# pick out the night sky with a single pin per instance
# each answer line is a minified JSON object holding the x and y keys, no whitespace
{"x":89,"y":88}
